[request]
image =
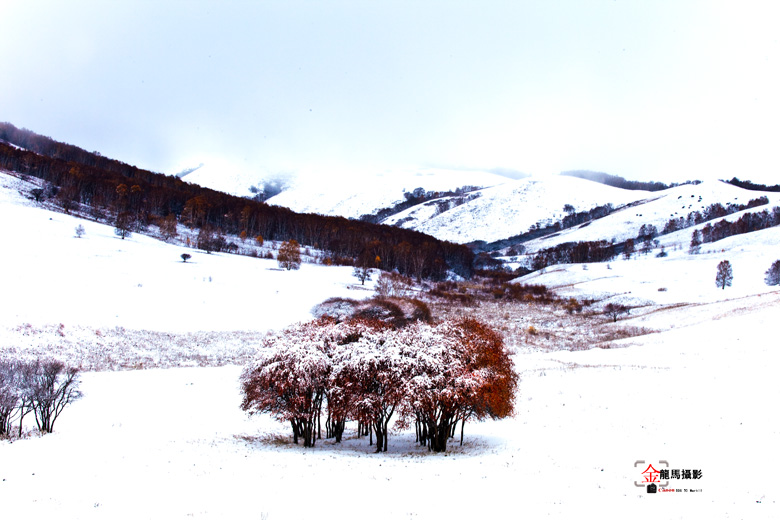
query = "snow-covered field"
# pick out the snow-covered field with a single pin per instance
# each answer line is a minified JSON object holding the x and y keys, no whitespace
{"x":172,"y":442}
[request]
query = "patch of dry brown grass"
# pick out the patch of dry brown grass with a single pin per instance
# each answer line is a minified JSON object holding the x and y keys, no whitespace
{"x":540,"y":326}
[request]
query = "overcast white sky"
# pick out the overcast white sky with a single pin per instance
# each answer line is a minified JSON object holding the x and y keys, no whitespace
{"x":662,"y":90}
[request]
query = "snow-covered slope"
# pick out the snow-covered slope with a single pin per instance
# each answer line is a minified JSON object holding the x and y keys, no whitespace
{"x":356,"y":194}
{"x":343,"y":193}
{"x":675,"y":279}
{"x":512,"y":208}
{"x":659,"y":208}
{"x":99,"y":280}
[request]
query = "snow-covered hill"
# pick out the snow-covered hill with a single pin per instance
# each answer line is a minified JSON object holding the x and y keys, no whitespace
{"x":512,"y":208}
{"x":679,"y":278}
{"x":657,"y":210}
{"x":349,"y":194}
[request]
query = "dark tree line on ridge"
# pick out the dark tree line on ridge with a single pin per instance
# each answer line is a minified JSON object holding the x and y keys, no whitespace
{"x":747,"y":223}
{"x":111,"y":190}
{"x":752,"y":186}
{"x":619,"y":182}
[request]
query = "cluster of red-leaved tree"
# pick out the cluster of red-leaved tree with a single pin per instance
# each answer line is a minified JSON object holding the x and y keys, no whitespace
{"x":434,"y":376}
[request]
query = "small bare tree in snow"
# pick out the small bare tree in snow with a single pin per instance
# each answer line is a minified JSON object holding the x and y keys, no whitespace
{"x":362,"y":273}
{"x":123,"y":225}
{"x":724,"y":275}
{"x":52,"y":386}
{"x":615,"y":310}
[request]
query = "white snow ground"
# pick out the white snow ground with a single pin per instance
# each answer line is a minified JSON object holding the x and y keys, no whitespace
{"x":172,"y":443}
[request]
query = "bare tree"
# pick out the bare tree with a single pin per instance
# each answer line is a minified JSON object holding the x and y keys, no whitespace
{"x":362,"y":273}
{"x":123,"y":225}
{"x":725,"y":275}
{"x":614,"y":310}
{"x":185,"y":257}
{"x":289,"y":256}
{"x":80,"y":231}
{"x":9,"y":397}
{"x":24,"y":374}
{"x":53,"y":387}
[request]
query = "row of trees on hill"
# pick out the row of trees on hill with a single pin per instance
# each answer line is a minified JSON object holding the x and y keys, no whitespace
{"x":747,"y":223}
{"x":435,"y":376}
{"x":132,"y":199}
{"x":603,"y":251}
{"x":747,"y":185}
{"x":711,"y":212}
{"x":620,"y":182}
{"x":574,"y":253}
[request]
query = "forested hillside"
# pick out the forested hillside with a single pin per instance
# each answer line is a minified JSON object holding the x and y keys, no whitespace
{"x":112,"y":191}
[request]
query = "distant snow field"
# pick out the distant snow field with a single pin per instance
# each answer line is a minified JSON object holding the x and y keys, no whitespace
{"x":172,"y":442}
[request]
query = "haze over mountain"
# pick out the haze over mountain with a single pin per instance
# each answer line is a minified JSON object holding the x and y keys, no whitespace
{"x":648,"y":90}
{"x":342,"y":193}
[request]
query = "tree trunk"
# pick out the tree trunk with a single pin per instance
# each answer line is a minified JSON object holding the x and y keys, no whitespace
{"x":295,"y":431}
{"x":338,"y":429}
{"x":380,"y":436}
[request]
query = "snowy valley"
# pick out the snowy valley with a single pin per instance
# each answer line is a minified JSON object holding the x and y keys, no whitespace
{"x":159,"y":432}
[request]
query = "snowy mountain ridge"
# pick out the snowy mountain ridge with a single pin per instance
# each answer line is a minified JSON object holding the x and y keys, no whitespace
{"x":512,"y":208}
{"x":349,"y":194}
